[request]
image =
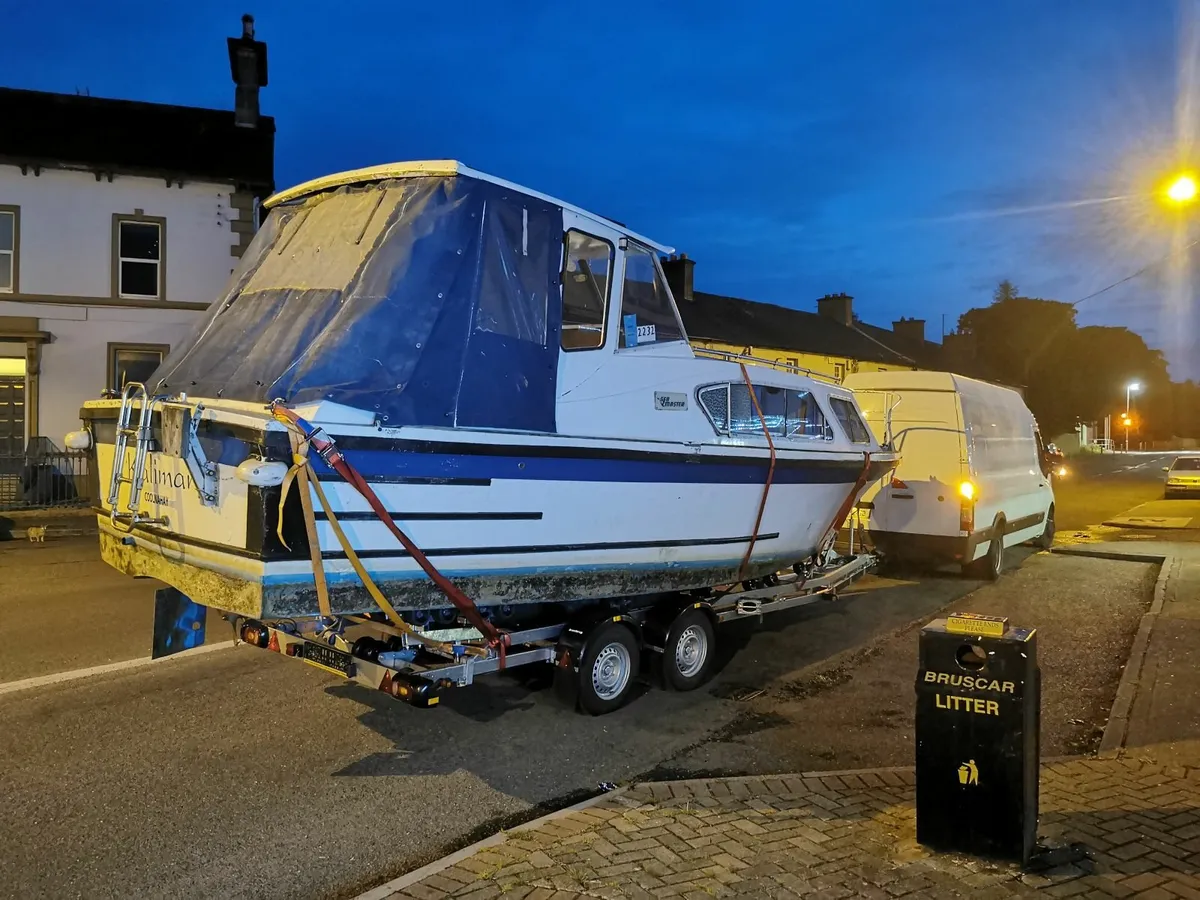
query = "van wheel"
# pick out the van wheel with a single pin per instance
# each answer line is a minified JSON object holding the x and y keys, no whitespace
{"x":990,"y":567}
{"x":1045,"y":540}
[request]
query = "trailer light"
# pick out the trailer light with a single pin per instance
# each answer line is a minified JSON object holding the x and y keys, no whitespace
{"x":78,"y":440}
{"x":294,"y":649}
{"x":256,"y":634}
{"x":966,"y":490}
{"x":261,"y":473}
{"x":898,"y":485}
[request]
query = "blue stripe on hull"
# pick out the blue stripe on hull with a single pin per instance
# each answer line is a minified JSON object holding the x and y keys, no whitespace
{"x":382,"y":464}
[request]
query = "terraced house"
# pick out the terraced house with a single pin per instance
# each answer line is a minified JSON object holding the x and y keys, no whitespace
{"x":831,"y":341}
{"x":120,"y":222}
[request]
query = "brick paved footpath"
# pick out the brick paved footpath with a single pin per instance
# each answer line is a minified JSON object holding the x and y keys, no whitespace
{"x":832,"y":836}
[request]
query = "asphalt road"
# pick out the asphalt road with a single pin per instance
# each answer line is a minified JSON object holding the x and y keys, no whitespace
{"x":242,"y":774}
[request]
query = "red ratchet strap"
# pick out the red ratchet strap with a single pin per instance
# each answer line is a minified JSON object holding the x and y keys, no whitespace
{"x":333,"y":458}
{"x":849,"y":502}
{"x":762,"y":503}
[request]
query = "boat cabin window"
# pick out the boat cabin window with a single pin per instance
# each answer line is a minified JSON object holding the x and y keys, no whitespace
{"x":786,"y":413}
{"x":587,"y":272}
{"x":648,"y":315}
{"x":851,"y":421}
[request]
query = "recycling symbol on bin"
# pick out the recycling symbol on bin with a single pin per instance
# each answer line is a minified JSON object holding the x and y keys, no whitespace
{"x":968,"y":773}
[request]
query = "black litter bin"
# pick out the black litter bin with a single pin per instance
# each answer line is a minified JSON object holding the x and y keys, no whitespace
{"x":978,"y":716}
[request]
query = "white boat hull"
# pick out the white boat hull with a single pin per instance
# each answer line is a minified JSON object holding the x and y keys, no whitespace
{"x":509,"y":523}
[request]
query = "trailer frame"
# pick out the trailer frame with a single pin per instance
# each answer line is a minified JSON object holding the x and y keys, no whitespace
{"x":416,"y":667}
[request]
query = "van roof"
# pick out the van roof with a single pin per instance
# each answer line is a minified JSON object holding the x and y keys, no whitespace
{"x":915,"y":381}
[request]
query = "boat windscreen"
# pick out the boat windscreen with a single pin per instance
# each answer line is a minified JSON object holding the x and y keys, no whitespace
{"x":424,"y":300}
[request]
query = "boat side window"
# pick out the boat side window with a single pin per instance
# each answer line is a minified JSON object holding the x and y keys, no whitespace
{"x":789,"y":414}
{"x":851,"y":422}
{"x":805,"y":418}
{"x":648,"y":314}
{"x":587,"y":274}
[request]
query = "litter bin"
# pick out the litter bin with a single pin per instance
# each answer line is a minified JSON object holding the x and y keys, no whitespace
{"x":978,"y":718}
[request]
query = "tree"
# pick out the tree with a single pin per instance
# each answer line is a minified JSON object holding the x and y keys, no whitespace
{"x":1071,"y":374}
{"x":1006,"y":290}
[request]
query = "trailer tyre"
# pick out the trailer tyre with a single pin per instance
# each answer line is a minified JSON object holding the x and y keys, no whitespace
{"x":608,"y":668}
{"x":688,"y":651}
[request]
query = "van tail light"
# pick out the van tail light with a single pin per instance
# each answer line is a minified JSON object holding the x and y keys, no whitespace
{"x":966,"y":515}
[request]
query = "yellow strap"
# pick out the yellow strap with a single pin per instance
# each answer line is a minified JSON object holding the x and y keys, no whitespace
{"x":310,"y":524}
{"x":369,"y":582}
{"x":301,"y":472}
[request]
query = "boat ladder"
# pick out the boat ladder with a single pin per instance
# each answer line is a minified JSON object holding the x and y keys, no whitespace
{"x":143,"y":436}
{"x":179,"y":428}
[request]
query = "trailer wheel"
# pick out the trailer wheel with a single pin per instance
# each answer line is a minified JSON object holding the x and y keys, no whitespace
{"x":688,"y":650}
{"x":608,"y":668}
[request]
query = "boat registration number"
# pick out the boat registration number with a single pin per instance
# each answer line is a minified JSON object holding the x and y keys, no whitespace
{"x":336,"y":661}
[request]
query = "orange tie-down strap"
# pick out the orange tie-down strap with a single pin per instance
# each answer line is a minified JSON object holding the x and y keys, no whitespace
{"x":848,"y":504}
{"x":329,"y":452}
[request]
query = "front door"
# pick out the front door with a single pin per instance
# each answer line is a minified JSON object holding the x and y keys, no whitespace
{"x":12,"y":416}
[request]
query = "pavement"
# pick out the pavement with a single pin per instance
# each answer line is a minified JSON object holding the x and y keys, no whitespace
{"x":241,"y":774}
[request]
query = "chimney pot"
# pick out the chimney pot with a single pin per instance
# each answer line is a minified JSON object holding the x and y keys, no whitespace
{"x":839,"y":307}
{"x":910,"y":329}
{"x":679,"y":271}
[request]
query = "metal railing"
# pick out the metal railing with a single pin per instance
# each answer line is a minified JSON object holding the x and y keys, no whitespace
{"x":777,"y":364}
{"x":46,"y":477}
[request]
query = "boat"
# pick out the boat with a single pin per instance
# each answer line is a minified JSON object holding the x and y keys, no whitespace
{"x":425,"y":384}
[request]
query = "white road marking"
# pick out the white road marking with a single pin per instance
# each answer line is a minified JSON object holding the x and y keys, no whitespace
{"x":10,"y":687}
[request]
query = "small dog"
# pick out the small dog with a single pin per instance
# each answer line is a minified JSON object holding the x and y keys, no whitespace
{"x":36,"y":534}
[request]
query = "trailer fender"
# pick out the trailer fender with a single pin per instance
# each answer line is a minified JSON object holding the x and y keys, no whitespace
{"x":660,"y":619}
{"x":574,"y":636}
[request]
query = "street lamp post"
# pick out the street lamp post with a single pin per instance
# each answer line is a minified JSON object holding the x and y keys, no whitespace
{"x":1132,"y":388}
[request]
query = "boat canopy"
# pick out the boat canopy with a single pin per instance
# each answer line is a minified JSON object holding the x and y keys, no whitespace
{"x":430,"y":300}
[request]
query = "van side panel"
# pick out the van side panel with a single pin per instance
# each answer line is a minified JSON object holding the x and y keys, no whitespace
{"x":1004,"y":463}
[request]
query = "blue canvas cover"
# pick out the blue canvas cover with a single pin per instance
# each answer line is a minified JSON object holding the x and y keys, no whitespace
{"x":429,"y":301}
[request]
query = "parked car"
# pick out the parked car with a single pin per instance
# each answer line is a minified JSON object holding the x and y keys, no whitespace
{"x":1183,"y":477}
{"x":973,"y":478}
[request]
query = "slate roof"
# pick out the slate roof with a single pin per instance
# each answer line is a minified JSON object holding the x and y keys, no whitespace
{"x":928,"y":354}
{"x":732,"y":320}
{"x":135,"y":138}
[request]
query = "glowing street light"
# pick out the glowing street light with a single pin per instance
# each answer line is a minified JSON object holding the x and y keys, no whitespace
{"x":1183,"y":189}
{"x":1132,"y":388}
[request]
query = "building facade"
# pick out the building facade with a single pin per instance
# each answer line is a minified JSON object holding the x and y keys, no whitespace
{"x":830,"y":341}
{"x":120,"y":222}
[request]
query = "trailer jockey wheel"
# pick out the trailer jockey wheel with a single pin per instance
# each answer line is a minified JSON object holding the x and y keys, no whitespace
{"x":608,"y":668}
{"x":688,"y":650}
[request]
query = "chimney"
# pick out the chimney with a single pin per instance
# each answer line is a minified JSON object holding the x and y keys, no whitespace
{"x":248,"y":65}
{"x":838,"y":307}
{"x":679,"y":272}
{"x":910,"y":329}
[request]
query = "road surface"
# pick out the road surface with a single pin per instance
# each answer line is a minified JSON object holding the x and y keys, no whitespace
{"x":242,"y":774}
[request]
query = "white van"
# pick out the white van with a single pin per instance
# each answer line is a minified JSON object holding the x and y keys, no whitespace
{"x":972,"y":468}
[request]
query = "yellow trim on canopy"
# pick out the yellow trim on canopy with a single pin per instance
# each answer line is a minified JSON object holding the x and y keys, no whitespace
{"x":435,"y":167}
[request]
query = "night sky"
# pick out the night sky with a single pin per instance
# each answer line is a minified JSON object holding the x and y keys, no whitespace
{"x":889,"y":149}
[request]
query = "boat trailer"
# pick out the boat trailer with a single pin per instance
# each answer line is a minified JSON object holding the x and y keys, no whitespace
{"x":596,"y":651}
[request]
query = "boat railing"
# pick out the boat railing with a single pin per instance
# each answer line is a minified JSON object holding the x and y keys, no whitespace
{"x":776,"y":364}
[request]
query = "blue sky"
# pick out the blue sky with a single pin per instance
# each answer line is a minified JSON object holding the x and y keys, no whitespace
{"x":888,"y":149}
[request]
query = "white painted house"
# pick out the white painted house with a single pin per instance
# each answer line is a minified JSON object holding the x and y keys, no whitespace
{"x":120,"y":222}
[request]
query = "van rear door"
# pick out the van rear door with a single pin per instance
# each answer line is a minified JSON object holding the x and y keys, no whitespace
{"x":922,"y":497}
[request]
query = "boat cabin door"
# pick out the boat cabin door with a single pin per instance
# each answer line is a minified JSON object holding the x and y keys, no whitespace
{"x":589,"y":259}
